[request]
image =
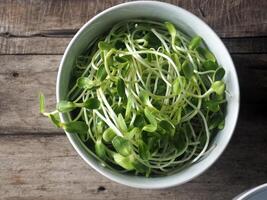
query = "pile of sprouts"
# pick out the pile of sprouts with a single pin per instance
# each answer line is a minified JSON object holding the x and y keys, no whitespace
{"x":146,"y":99}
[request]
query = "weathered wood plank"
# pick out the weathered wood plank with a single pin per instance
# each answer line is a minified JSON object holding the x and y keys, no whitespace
{"x":44,"y":167}
{"x":23,"y":77}
{"x":229,"y":19}
{"x":56,"y":44}
{"x":21,"y":80}
{"x":33,"y":45}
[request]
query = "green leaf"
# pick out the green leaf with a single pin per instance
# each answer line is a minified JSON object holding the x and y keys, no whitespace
{"x":167,"y":126}
{"x":92,"y":103}
{"x":221,"y":124}
{"x":143,"y":150}
{"x":121,"y":88}
{"x":42,"y":102}
{"x":122,"y":145}
{"x":177,"y":116}
{"x":178,"y":84}
{"x":128,"y":108}
{"x":86,"y":83}
{"x":135,"y":132}
{"x":218,"y":87}
{"x":101,"y":73}
{"x":212,"y":106}
{"x":108,"y":135}
{"x":104,"y":46}
{"x":176,"y":60}
{"x":144,"y":97}
{"x":55,"y":120}
{"x":153,"y":41}
{"x":150,"y":128}
{"x":171,"y":29}
{"x":99,"y":127}
{"x":195,"y":42}
{"x":121,"y":123}
{"x":210,"y":65}
{"x":121,"y":59}
{"x":206,"y":54}
{"x":139,"y":166}
{"x":139,"y":121}
{"x":187,"y":69}
{"x":124,"y":162}
{"x":219,"y":74}
{"x":217,"y":121}
{"x":78,"y":127}
{"x":65,"y":106}
{"x":152,"y":120}
{"x":100,"y":149}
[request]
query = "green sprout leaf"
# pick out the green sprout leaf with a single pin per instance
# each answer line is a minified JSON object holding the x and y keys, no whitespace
{"x":92,"y":103}
{"x":143,"y":150}
{"x":206,"y":54}
{"x":121,"y":123}
{"x":86,"y":83}
{"x":78,"y":127}
{"x":171,"y":29}
{"x":213,"y":106}
{"x":210,"y":65}
{"x":42,"y":103}
{"x":101,"y":73}
{"x":167,"y":126}
{"x":108,"y":135}
{"x":144,"y":97}
{"x":219,"y":74}
{"x":195,"y":42}
{"x":217,"y":121}
{"x":178,"y":84}
{"x":65,"y":106}
{"x":135,"y":132}
{"x":124,"y":162}
{"x":153,"y":123}
{"x":187,"y":69}
{"x":218,"y":87}
{"x":122,"y":145}
{"x":104,"y":46}
{"x":100,"y":149}
{"x":121,"y":88}
{"x":55,"y":120}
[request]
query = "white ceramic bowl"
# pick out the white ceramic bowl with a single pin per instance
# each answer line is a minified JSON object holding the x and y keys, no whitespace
{"x":257,"y":193}
{"x":191,"y":25}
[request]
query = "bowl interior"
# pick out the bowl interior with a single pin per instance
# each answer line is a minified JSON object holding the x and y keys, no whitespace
{"x":189,"y":24}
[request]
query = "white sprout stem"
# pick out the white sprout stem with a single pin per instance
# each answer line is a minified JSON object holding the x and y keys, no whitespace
{"x":109,"y":123}
{"x":206,"y":72}
{"x":206,"y":130}
{"x":161,"y":40}
{"x":110,"y":110}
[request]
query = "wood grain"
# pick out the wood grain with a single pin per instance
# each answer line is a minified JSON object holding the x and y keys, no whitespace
{"x":23,"y":77}
{"x":52,"y":44}
{"x":36,"y":159}
{"x":32,"y":17}
{"x":44,"y":167}
{"x":33,"y":45}
{"x":21,"y":80}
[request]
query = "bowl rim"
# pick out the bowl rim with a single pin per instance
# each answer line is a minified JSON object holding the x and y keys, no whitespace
{"x":251,"y":192}
{"x":105,"y":172}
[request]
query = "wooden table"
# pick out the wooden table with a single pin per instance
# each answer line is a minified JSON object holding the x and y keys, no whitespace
{"x":36,"y":159}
